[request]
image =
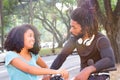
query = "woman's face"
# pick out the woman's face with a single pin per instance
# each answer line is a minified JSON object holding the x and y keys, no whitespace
{"x":75,"y":28}
{"x":29,"y":39}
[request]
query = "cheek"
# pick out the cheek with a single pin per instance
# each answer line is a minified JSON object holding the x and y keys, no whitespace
{"x":25,"y":42}
{"x":79,"y":31}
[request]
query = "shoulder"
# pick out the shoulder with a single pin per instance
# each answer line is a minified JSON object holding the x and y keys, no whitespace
{"x":71,"y":40}
{"x":101,"y":37}
{"x":103,"y":41}
{"x":10,"y":55}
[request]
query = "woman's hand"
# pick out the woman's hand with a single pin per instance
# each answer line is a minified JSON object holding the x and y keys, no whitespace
{"x":64,"y":73}
{"x":46,"y":77}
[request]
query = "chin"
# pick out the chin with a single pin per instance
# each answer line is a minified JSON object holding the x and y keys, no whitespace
{"x":76,"y":35}
{"x":73,"y":34}
{"x":31,"y":47}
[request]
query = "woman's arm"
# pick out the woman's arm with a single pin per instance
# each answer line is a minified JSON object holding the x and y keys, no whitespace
{"x":36,"y":70}
{"x":41,"y":63}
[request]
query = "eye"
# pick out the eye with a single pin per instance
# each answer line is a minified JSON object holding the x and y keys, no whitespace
{"x":72,"y":27}
{"x":31,"y":35}
{"x":75,"y":28}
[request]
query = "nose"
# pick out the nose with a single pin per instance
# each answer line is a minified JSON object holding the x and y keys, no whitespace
{"x":33,"y":39}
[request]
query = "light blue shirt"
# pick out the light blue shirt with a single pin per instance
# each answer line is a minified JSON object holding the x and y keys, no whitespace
{"x":16,"y":74}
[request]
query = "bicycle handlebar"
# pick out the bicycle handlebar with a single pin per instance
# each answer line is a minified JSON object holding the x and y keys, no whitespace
{"x":56,"y":77}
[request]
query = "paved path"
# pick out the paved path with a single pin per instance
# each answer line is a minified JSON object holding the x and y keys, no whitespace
{"x":115,"y":75}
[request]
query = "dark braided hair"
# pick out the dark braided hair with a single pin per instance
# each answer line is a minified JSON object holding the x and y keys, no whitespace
{"x":85,"y":15}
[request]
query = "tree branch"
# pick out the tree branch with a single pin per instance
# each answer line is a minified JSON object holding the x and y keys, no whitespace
{"x":117,"y":9}
{"x":100,"y":15}
{"x":108,"y":10}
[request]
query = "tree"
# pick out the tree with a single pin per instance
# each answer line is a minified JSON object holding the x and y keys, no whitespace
{"x":50,"y":15}
{"x":108,"y":12}
{"x":1,"y":26}
{"x":8,"y":11}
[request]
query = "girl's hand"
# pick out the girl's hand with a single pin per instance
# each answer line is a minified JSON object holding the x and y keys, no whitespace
{"x":46,"y":77}
{"x":64,"y":73}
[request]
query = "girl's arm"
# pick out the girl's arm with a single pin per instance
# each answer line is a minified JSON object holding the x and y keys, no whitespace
{"x":36,"y":70}
{"x":41,"y":63}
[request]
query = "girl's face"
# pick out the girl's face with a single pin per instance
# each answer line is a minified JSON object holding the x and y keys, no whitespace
{"x":29,"y":39}
{"x":75,"y":28}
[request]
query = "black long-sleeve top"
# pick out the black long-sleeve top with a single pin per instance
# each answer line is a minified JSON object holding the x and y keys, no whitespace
{"x":100,"y":51}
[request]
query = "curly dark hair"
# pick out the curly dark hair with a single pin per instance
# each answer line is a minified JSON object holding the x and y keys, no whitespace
{"x":85,"y":15}
{"x":15,"y":39}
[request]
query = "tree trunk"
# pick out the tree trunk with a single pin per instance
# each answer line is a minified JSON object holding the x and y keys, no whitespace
{"x":112,"y":27}
{"x":0,"y":12}
{"x":118,"y":42}
{"x":1,"y":27}
{"x":60,"y":44}
{"x":113,"y":33}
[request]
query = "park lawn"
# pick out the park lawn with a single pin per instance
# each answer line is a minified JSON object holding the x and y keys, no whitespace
{"x":48,"y":51}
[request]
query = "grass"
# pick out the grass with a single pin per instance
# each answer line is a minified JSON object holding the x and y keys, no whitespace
{"x":48,"y":51}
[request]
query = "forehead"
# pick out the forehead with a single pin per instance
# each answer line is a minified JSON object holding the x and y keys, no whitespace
{"x":75,"y":24}
{"x":29,"y":31}
{"x":72,"y":22}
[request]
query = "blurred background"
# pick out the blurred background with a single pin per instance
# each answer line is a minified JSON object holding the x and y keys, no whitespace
{"x":52,"y":19}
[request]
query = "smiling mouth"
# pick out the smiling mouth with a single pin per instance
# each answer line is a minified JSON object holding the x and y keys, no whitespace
{"x":32,"y":43}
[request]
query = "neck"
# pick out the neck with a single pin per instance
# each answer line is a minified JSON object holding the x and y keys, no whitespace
{"x":25,"y":54}
{"x":24,"y":51}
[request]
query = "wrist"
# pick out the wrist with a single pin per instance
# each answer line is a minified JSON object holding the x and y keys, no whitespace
{"x":92,"y":69}
{"x":58,"y":72}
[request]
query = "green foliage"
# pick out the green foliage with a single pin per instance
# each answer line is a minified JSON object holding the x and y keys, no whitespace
{"x":113,"y":3}
{"x":69,"y":1}
{"x":16,"y":13}
{"x":9,"y":6}
{"x":101,"y":3}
